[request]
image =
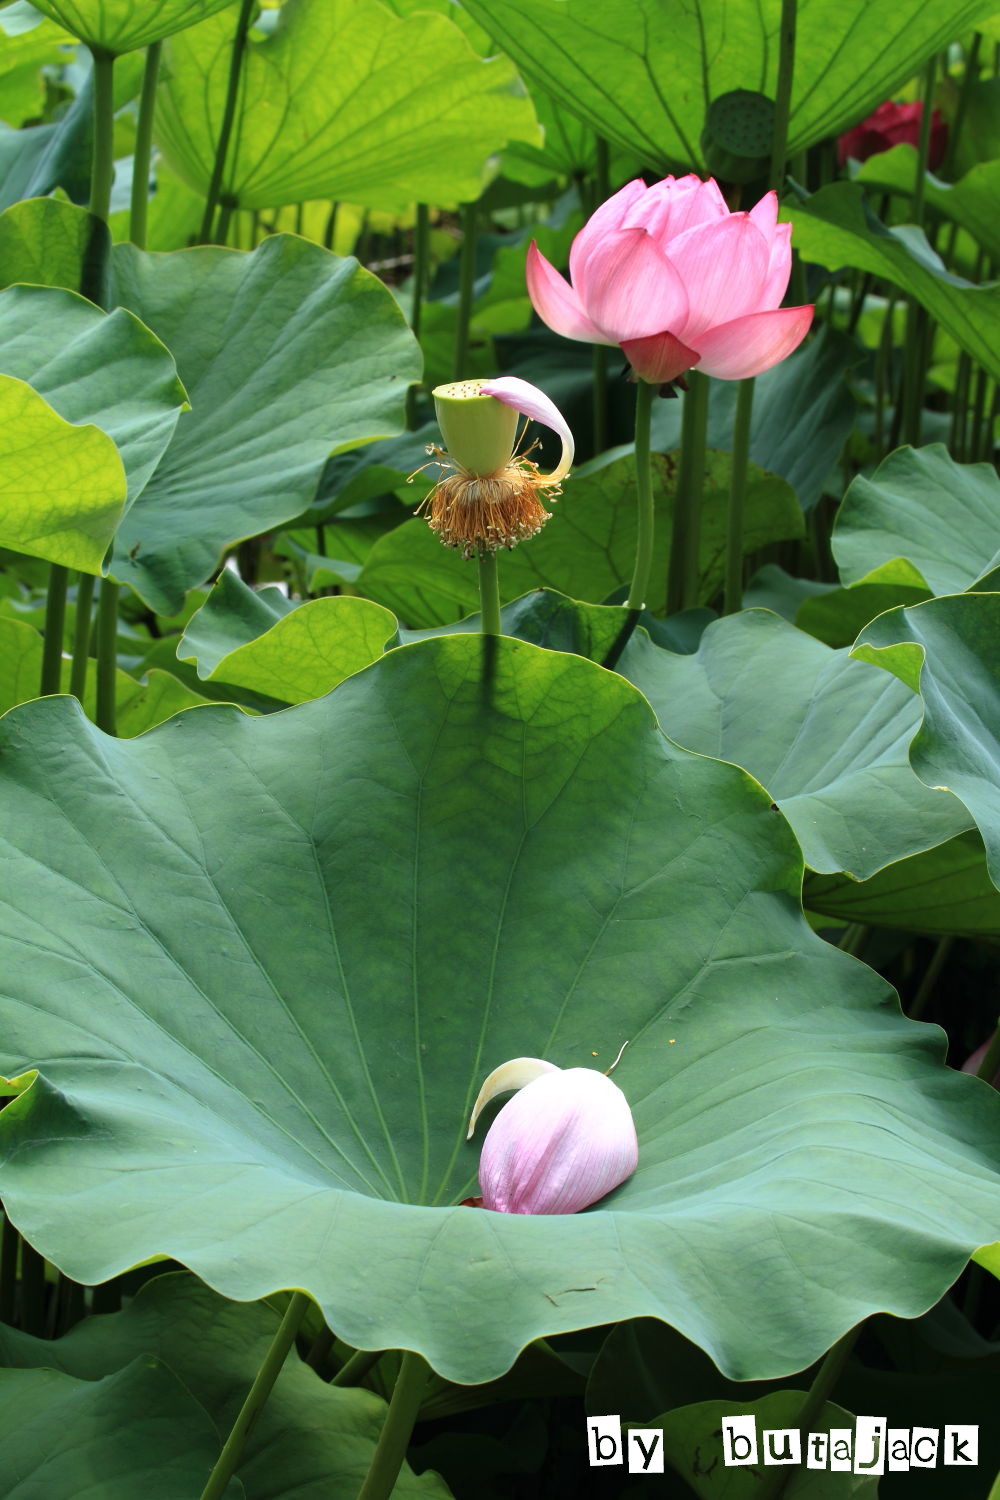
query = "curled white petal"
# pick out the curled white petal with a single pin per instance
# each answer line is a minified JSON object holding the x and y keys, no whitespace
{"x":510,"y":1075}
{"x":531,"y":402}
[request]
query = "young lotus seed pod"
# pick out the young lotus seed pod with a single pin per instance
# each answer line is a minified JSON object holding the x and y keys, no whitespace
{"x":562,"y":1143}
{"x":491,"y":500}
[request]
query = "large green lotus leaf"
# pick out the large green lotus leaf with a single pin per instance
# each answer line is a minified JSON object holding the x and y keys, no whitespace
{"x":643,"y":74}
{"x":262,"y":641}
{"x":835,"y":228}
{"x":123,"y":25}
{"x":943,"y":890}
{"x":140,"y":704}
{"x":949,"y":650}
{"x":831,"y":747}
{"x":97,"y":367}
{"x":919,"y":505}
{"x":287,"y":353}
{"x":311,"y":1440}
{"x":970,"y":202}
{"x":344,"y":100}
{"x":587,"y":548}
{"x":62,"y":488}
{"x":136,"y":1432}
{"x":49,"y":243}
{"x":272,"y":994}
{"x":38,"y":158}
{"x":29,"y":45}
{"x":693,"y":1447}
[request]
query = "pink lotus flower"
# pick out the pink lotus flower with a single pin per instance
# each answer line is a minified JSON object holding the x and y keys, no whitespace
{"x":563,"y":1142}
{"x":976,"y":1059}
{"x":893,"y":125}
{"x":678,"y":281}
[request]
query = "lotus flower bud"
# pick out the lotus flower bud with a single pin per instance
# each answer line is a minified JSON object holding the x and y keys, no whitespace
{"x":491,"y":500}
{"x":562,"y":1143}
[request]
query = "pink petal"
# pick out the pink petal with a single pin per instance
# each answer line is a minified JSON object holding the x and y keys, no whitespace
{"x":750,"y":345}
{"x":779,"y":268}
{"x":601,"y":222}
{"x":724,"y":268}
{"x":670,"y":207}
{"x":659,"y":358}
{"x":531,"y":402}
{"x":560,"y":1144}
{"x":632,"y":289}
{"x":556,"y":303}
{"x":765,"y":214}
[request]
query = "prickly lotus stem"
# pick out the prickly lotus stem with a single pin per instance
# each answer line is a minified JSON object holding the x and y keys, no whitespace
{"x":491,"y":500}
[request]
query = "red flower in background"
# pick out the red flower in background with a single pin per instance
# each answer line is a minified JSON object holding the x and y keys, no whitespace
{"x":893,"y":125}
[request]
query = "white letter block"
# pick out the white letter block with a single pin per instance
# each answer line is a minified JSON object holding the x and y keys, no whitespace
{"x":898,"y":1446}
{"x":817,"y":1450}
{"x":924,"y":1447}
{"x":869,"y":1445}
{"x":841,"y":1447}
{"x":739,"y":1441}
{"x":781,"y":1442}
{"x":645,"y":1450}
{"x":961,"y":1445}
{"x":604,"y":1440}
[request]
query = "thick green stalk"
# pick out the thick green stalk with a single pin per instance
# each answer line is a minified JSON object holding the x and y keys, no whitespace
{"x":330,"y":227}
{"x":682,"y":587}
{"x":102,"y":166}
{"x":139,"y":208}
{"x":421,"y":249}
{"x":774,"y":1484}
{"x":783,"y":93}
{"x":220,"y":235}
{"x":228,"y":116}
{"x":466,"y":286}
{"x":924,"y":142}
{"x":645,"y":517}
{"x":969,"y":79}
{"x":32,"y":1316}
{"x":737,"y":496}
{"x":55,"y":624}
{"x":394,"y":1439}
{"x":927,"y":985}
{"x":107,"y":656}
{"x":81,"y":634}
{"x":354,"y":1370}
{"x":489,"y":593}
{"x":268,"y":1373}
{"x":10,"y":1243}
{"x":991,"y":1062}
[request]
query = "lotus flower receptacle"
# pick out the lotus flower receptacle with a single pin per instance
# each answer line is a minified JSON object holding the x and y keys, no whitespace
{"x":491,"y":499}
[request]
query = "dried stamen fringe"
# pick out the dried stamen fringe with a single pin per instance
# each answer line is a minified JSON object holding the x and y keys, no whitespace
{"x":482,"y":514}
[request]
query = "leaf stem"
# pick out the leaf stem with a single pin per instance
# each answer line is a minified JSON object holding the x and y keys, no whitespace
{"x":139,"y":206}
{"x":737,"y":495}
{"x":107,"y":656}
{"x":268,"y":1373}
{"x":102,"y":167}
{"x":466,"y":287}
{"x":55,"y":625}
{"x":645,"y":514}
{"x":991,"y":1062}
{"x":228,"y":116}
{"x":682,"y":589}
{"x":824,"y":1383}
{"x":9,"y":1246}
{"x":81,"y":634}
{"x":926,"y":988}
{"x":394,"y":1439}
{"x":489,"y":594}
{"x":354,"y":1370}
{"x":970,"y":77}
{"x":421,"y":247}
{"x":783,"y":93}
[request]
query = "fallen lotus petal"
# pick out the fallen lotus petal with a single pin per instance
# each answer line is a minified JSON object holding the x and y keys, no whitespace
{"x":491,"y":498}
{"x":563,"y":1142}
{"x":678,"y":281}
